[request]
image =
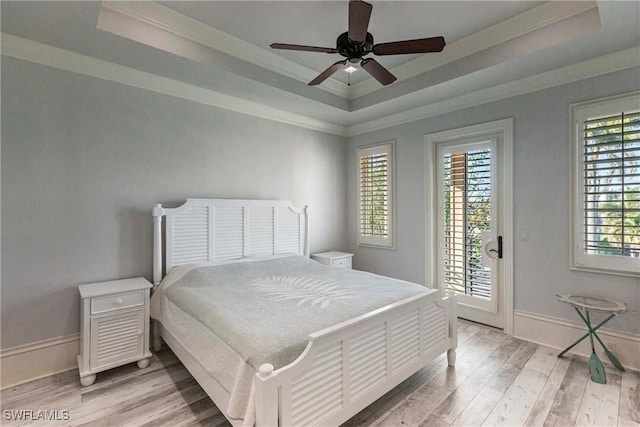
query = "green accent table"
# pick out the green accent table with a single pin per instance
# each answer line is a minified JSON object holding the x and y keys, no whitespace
{"x":583,"y":305}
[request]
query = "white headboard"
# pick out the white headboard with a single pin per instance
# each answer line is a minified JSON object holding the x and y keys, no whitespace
{"x":224,"y":229}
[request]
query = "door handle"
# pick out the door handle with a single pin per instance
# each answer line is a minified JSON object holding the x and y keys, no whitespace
{"x":499,"y":250}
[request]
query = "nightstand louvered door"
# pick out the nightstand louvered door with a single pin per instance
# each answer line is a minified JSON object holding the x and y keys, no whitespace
{"x":116,"y":337}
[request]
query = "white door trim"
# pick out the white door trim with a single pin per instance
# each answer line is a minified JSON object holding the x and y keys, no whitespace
{"x":504,"y":127}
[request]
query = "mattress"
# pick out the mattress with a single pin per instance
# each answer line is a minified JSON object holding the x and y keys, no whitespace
{"x":234,"y":317}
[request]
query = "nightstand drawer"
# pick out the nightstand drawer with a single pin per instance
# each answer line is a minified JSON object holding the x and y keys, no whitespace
{"x":333,"y":259}
{"x":116,"y":302}
{"x":341,"y":263}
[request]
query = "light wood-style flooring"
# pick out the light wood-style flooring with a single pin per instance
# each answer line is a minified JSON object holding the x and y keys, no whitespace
{"x":498,"y":380}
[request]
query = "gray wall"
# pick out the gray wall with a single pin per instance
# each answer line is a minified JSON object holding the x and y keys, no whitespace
{"x":541,"y":199}
{"x":84,"y":160}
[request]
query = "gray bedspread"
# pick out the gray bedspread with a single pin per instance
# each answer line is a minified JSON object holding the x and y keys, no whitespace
{"x":265,"y":310}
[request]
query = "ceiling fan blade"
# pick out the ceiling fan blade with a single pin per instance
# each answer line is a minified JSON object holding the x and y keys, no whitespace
{"x":432,"y":44}
{"x":377,"y":71}
{"x":303,"y":48}
{"x":326,"y":73}
{"x":359,"y":15}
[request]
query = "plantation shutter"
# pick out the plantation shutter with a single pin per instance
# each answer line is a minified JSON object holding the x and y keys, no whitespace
{"x":375,"y":198}
{"x":611,"y":166}
{"x":467,"y":208}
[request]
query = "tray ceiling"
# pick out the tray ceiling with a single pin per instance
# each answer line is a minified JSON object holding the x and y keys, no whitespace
{"x":222,"y":48}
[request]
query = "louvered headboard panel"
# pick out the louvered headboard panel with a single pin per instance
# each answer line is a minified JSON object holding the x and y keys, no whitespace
{"x":226,"y":229}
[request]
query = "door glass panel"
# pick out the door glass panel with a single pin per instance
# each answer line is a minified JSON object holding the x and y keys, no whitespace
{"x":467,"y":191}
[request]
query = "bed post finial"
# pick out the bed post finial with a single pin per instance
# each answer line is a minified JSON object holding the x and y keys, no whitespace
{"x":265,"y":384}
{"x":157,"y":244}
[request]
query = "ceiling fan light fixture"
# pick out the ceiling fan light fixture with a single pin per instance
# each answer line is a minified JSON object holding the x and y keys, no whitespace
{"x":357,"y":42}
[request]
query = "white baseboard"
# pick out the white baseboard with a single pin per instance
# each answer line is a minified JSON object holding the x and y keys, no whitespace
{"x":38,"y":360}
{"x":560,"y":333}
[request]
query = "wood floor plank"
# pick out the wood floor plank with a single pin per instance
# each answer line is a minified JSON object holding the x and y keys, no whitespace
{"x":188,"y":415}
{"x":599,"y":406}
{"x":630,"y":397}
{"x":433,"y":421}
{"x":556,"y":421}
{"x":512,"y":366}
{"x":623,"y":422}
{"x":543,"y":359}
{"x":479,"y":349}
{"x":517,"y":402}
{"x":456,"y":402}
{"x":40,"y":387}
{"x":403,"y":416}
{"x":569,"y":395}
{"x":479,"y":408}
{"x":542,"y":406}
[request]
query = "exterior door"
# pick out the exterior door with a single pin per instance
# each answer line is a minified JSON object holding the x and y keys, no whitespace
{"x":469,"y":227}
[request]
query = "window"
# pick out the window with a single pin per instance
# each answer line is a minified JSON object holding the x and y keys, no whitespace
{"x":375,"y":195}
{"x":606,"y":208}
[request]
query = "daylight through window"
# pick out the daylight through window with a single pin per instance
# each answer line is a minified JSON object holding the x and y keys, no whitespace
{"x":375,"y":195}
{"x":612,"y":185}
{"x":608,"y":151}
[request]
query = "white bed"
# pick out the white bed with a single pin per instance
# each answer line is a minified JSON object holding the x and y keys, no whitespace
{"x":344,"y":367}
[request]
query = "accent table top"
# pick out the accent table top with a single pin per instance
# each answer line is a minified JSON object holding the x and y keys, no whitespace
{"x":594,"y":303}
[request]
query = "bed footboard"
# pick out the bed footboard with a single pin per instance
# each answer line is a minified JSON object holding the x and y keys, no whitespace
{"x":347,"y":367}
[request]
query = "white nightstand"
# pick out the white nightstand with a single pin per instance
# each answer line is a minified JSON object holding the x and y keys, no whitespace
{"x":333,"y":259}
{"x":114,"y":326}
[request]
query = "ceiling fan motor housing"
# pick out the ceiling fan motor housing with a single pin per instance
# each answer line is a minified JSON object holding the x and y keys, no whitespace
{"x":351,"y":50}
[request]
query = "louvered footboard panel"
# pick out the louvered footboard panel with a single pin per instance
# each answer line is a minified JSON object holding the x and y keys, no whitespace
{"x":346,"y":367}
{"x":319,"y":391}
{"x":368,"y":362}
{"x":435,"y":327}
{"x":405,"y":339}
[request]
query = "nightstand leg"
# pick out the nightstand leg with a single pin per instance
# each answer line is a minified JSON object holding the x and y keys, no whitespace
{"x":451,"y":357}
{"x":88,"y":380}
{"x":143,"y":363}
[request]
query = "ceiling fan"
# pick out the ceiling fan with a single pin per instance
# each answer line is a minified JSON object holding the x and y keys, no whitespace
{"x":357,"y":42}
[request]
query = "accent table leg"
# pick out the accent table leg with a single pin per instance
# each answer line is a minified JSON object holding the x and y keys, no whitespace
{"x":451,"y":357}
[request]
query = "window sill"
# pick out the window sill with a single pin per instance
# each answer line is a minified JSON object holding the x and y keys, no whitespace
{"x":610,"y":272}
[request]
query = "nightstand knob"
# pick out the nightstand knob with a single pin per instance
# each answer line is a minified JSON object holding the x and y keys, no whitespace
{"x":119,"y":301}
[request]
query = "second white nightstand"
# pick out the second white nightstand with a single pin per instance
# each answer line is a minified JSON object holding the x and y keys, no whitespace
{"x":333,"y":259}
{"x":114,"y":326}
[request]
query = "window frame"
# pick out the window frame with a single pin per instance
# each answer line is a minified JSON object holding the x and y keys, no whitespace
{"x":387,"y":242}
{"x":581,"y":261}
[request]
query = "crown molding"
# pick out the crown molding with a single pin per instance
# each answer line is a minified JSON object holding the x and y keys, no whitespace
{"x":179,"y":24}
{"x":51,"y":56}
{"x":167,"y":19}
{"x":28,"y":50}
{"x":539,"y":17}
{"x":613,"y":62}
